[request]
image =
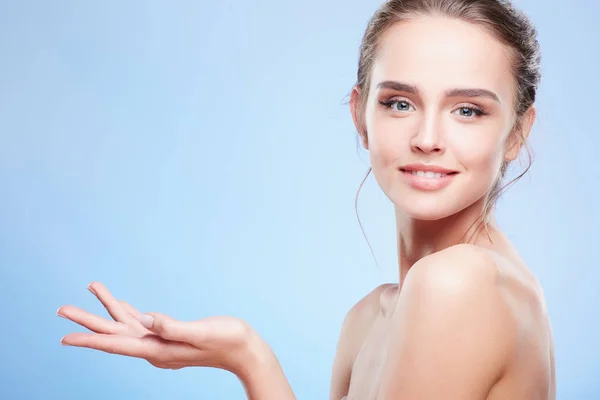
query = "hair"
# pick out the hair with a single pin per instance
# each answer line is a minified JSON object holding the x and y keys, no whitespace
{"x":507,"y":24}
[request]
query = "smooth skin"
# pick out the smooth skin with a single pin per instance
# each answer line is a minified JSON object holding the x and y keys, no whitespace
{"x":220,"y":342}
{"x":465,"y":321}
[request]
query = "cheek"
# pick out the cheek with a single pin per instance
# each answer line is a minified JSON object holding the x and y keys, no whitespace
{"x":383,"y":159}
{"x":480,"y":155}
{"x":387,"y":142}
{"x":388,"y":137}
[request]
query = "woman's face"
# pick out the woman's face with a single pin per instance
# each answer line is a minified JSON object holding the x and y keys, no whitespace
{"x":438,"y":115}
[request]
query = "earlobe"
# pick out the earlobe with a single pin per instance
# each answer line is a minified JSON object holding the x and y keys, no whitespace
{"x":358,"y":116}
{"x":518,"y":137}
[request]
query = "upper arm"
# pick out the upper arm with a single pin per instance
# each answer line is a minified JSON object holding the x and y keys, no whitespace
{"x":451,"y":332}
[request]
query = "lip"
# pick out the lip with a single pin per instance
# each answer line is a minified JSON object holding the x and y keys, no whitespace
{"x":424,"y":183}
{"x":426,"y":168}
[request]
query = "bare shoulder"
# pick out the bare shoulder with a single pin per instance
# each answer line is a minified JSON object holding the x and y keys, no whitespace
{"x":368,"y":307}
{"x":358,"y":320}
{"x":481,"y":270}
{"x":459,"y":264}
{"x":355,"y":328}
{"x":458,"y":275}
{"x":475,"y":270}
{"x":453,"y":320}
{"x":464,"y":273}
{"x":462,"y":315}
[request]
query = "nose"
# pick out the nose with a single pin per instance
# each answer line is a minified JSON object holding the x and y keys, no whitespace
{"x":428,"y":138}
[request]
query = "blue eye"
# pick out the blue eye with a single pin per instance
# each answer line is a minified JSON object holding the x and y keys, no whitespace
{"x":401,"y":106}
{"x":470,"y":112}
{"x":397,"y":105}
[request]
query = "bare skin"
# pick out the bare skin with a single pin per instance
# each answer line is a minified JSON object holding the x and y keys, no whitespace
{"x":467,"y":319}
{"x":527,"y":371}
{"x":225,"y":342}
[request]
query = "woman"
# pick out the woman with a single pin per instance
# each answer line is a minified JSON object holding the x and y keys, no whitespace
{"x":444,"y":102}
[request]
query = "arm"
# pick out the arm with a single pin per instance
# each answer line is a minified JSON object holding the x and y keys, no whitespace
{"x":264,"y":379}
{"x":453,"y":332}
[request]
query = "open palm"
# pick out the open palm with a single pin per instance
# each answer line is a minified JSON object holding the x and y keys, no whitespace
{"x":219,"y":342}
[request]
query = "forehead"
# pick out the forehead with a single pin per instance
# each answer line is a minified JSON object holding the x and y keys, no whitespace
{"x":438,"y":53}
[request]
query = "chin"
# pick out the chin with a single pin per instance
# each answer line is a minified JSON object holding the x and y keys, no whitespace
{"x":428,"y":206}
{"x":426,"y":214}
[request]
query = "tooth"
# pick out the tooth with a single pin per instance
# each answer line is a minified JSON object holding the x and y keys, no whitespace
{"x":427,"y":174}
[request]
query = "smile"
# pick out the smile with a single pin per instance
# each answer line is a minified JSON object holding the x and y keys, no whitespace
{"x":428,"y":178}
{"x":428,"y":174}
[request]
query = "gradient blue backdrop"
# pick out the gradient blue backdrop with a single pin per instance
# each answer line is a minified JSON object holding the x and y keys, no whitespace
{"x":197,"y":158}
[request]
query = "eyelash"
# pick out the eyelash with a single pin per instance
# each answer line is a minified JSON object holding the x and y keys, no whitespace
{"x":477,"y":111}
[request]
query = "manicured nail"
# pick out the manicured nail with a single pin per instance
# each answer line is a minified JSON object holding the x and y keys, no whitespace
{"x":91,"y":290}
{"x":62,"y":342}
{"x":147,"y":321}
{"x":59,"y":314}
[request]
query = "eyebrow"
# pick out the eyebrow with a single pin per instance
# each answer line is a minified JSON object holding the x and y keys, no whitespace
{"x":405,"y":87}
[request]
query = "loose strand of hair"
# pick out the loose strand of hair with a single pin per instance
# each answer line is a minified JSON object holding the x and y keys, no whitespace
{"x":358,"y":217}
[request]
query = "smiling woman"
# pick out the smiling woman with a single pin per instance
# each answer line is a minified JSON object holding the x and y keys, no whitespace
{"x":444,"y":102}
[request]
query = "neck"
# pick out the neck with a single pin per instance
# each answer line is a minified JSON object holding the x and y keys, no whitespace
{"x":419,"y":238}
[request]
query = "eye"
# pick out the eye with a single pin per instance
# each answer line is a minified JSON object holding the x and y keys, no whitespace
{"x":397,"y":105}
{"x":469,"y":111}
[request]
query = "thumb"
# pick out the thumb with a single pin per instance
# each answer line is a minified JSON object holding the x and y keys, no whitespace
{"x":169,"y":328}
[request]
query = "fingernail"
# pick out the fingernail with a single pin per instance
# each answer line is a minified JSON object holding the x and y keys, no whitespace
{"x":147,"y":321}
{"x":63,"y":343}
{"x":59,"y":314}
{"x":91,"y":290}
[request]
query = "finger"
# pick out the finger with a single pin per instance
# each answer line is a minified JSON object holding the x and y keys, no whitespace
{"x":115,"y":344}
{"x":91,"y":321}
{"x":149,"y":347}
{"x":171,"y":329}
{"x":112,"y":305}
{"x":131,"y":310}
{"x":198,"y":333}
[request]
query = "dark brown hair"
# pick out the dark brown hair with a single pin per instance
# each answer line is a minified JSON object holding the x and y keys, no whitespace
{"x":510,"y":26}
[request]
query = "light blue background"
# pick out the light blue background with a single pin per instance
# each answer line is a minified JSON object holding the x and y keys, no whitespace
{"x":198,"y":159}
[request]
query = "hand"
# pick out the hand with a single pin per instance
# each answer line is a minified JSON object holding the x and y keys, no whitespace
{"x":220,"y":342}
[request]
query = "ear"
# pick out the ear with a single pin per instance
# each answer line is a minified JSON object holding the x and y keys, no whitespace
{"x":358,"y":116}
{"x":519,"y":135}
